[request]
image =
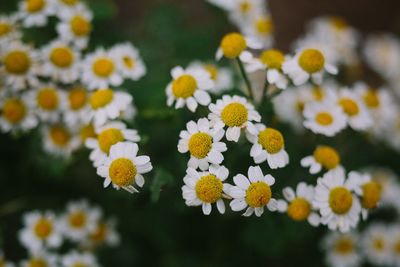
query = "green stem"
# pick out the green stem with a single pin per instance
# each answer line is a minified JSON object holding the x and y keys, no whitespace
{"x":246,"y":79}
{"x":264,"y":92}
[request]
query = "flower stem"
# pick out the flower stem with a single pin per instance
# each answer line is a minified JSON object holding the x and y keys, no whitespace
{"x":246,"y":79}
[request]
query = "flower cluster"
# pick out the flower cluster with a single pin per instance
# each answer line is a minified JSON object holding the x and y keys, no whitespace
{"x":71,"y":94}
{"x":81,"y":227}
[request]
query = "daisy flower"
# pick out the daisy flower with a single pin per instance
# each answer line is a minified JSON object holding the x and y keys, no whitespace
{"x":234,"y":44}
{"x":100,"y":70}
{"x":105,"y":137}
{"x":203,"y":144}
{"x":375,"y":244}
{"x":61,"y":62}
{"x":4,"y":262}
{"x":323,"y":157}
{"x":107,"y":104}
{"x":64,"y":6}
{"x":206,"y":188}
{"x":298,"y":204}
{"x":268,"y":145}
{"x":40,"y":231}
{"x":16,"y":114}
{"x":86,"y":131}
{"x":74,"y":259}
{"x":105,"y":233}
{"x":334,"y":198}
{"x":242,"y":11}
{"x":123,"y":168}
{"x":324,"y":118}
{"x":390,"y":188}
{"x":260,"y":28}
{"x":129,"y":62}
{"x":35,"y":12}
{"x":236,"y":113}
{"x":252,"y":192}
{"x":308,"y":63}
{"x":59,"y":140}
{"x":79,"y":220}
{"x":8,"y":29}
{"x":20,"y":66}
{"x":75,"y":26}
{"x":189,"y":87}
{"x":342,"y":249}
{"x":40,"y":258}
{"x":77,"y":106}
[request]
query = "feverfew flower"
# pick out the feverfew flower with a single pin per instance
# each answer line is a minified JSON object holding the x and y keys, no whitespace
{"x":60,"y":140}
{"x":342,"y":249}
{"x":129,"y":61}
{"x":234,"y":44}
{"x":375,"y":244}
{"x":260,"y":28}
{"x":323,"y":157}
{"x":35,"y":12}
{"x":206,"y":188}
{"x":40,"y":258}
{"x":105,"y":233}
{"x":74,"y":259}
{"x":77,"y":106}
{"x":8,"y":29}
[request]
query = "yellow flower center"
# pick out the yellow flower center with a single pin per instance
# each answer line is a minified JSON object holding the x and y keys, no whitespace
{"x":318,"y":93}
{"x":311,"y":60}
{"x":233,"y":44}
{"x":14,"y":110}
{"x":245,"y":6}
{"x":47,"y":99}
{"x":87,"y":131}
{"x":378,"y":243}
{"x":209,"y":188}
{"x":62,"y":57}
{"x":17,"y":62}
{"x":200,"y":144}
{"x":184,"y":86}
{"x":77,"y":219}
{"x":258,"y":194}
{"x":43,"y":228}
{"x":234,"y":114}
{"x":299,"y":209}
{"x":103,"y":67}
{"x":397,"y":247}
{"x":371,"y":98}
{"x":264,"y":26}
{"x":5,"y":28}
{"x":340,"y":200}
{"x":70,"y":2}
{"x":324,"y":118}
{"x":344,"y":246}
{"x":77,"y":98}
{"x":37,"y":262}
{"x":79,"y":264}
{"x":271,"y":140}
{"x":300,"y":106}
{"x":60,"y":136}
{"x":129,"y":62}
{"x":108,"y":138}
{"x":272,"y":58}
{"x":100,"y":234}
{"x":101,"y":98}
{"x":339,"y":23}
{"x":33,"y":6}
{"x":122,"y":172}
{"x":371,"y":195}
{"x":327,"y":156}
{"x":212,"y":70}
{"x":350,"y":107}
{"x":80,"y":26}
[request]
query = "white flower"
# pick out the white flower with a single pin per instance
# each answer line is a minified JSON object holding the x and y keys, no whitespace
{"x":324,"y":118}
{"x":9,"y":30}
{"x":107,"y":104}
{"x":260,"y":28}
{"x":62,"y":7}
{"x":77,"y":106}
{"x":123,"y":168}
{"x":40,"y":258}
{"x":234,"y":44}
{"x":35,"y":12}
{"x":252,"y":192}
{"x":73,"y":259}
{"x":334,"y":198}
{"x":61,"y":62}
{"x":107,"y":136}
{"x":203,"y":144}
{"x":323,"y":157}
{"x":268,"y":144}
{"x":342,"y":249}
{"x":105,"y":233}
{"x":298,"y":204}
{"x":60,"y":140}
{"x":206,"y":188}
{"x":128,"y":60}
{"x":308,"y":63}
{"x":189,"y":87}
{"x":375,"y":244}
{"x":41,"y":231}
{"x":235,"y":113}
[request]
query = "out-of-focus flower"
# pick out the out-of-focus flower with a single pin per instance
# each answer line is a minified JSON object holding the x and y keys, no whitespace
{"x":342,"y":249}
{"x":129,"y":61}
{"x":35,"y":12}
{"x":74,"y":259}
{"x":323,"y":157}
{"x":60,"y":140}
{"x":375,"y":244}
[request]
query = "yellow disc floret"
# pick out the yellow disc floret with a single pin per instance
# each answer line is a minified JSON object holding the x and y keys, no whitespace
{"x":344,"y":246}
{"x":318,"y":93}
{"x":17,"y":62}
{"x":371,"y":194}
{"x":209,"y":188}
{"x":62,"y":57}
{"x":299,"y":209}
{"x":272,"y":58}
{"x":47,"y":99}
{"x":14,"y":110}
{"x":87,"y":131}
{"x":37,"y":262}
{"x":100,"y":234}
{"x":77,"y":219}
{"x":378,"y":243}
{"x":122,"y":172}
{"x":70,"y":2}
{"x":327,"y":156}
{"x":311,"y":60}
{"x":60,"y":136}
{"x":79,"y":264}
{"x":212,"y":70}
{"x":103,"y":67}
{"x":80,"y":26}
{"x":371,"y":98}
{"x":324,"y":118}
{"x":264,"y":26}
{"x":129,"y":62}
{"x":258,"y":194}
{"x":5,"y":28}
{"x":271,"y":140}
{"x":101,"y":98}
{"x":245,"y":6}
{"x":349,"y":106}
{"x":184,"y":86}
{"x":234,"y":114}
{"x":233,"y":44}
{"x":43,"y":228}
{"x":200,"y":144}
{"x":108,"y":138}
{"x":340,"y":200}
{"x":33,"y":6}
{"x":77,"y":98}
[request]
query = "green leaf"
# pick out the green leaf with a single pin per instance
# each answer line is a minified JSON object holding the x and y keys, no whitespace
{"x":161,"y":178}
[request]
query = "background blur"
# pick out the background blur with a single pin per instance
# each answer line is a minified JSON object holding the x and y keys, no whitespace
{"x":156,"y":227}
